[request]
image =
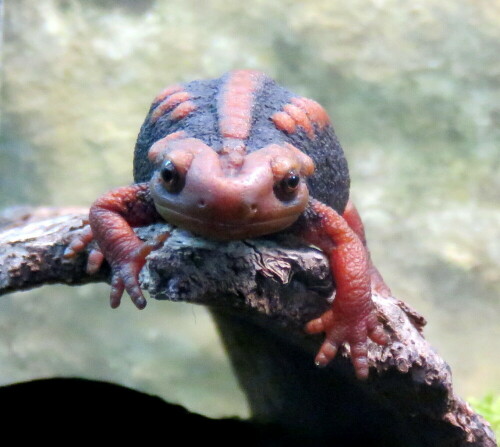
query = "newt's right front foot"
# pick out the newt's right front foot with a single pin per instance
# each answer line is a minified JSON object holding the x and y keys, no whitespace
{"x":111,"y":219}
{"x":129,"y":259}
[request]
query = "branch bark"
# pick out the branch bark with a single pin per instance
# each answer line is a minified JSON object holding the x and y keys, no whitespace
{"x":261,"y":293}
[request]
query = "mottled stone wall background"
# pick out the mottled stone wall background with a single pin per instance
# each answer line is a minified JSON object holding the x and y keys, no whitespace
{"x":413,"y":90}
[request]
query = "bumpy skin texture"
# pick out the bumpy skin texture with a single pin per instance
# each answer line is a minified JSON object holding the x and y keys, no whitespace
{"x":330,"y":182}
{"x":240,"y":157}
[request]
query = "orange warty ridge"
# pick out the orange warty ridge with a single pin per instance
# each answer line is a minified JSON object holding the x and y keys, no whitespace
{"x":316,"y":113}
{"x":158,"y":147}
{"x":167,"y":92}
{"x":283,"y":121}
{"x":300,"y":117}
{"x":169,"y":103}
{"x":182,"y":110}
{"x":302,"y":112}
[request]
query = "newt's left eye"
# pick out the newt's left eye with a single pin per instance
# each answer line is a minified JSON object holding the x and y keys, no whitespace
{"x":287,"y":187}
{"x":171,"y":177}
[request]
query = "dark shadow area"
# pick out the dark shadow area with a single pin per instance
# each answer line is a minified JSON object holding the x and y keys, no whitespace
{"x":65,"y":409}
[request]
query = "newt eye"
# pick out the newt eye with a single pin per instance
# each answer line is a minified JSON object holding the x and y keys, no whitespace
{"x":291,"y":181}
{"x":170,"y":176}
{"x":287,"y":187}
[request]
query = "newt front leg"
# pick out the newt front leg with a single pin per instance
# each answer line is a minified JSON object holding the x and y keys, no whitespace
{"x":353,"y":219}
{"x":353,"y":316}
{"x":111,"y":219}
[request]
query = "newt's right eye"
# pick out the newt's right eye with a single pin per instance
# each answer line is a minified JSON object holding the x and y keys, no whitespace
{"x":288,"y":186}
{"x":171,"y":177}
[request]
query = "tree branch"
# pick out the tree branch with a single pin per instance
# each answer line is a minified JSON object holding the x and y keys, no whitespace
{"x":261,"y":292}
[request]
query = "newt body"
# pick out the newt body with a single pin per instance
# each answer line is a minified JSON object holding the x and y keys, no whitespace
{"x":240,"y":157}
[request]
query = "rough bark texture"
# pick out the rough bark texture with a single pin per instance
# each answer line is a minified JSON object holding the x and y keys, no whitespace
{"x":261,"y":292}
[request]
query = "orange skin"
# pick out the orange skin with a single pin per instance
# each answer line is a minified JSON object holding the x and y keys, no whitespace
{"x":229,"y":194}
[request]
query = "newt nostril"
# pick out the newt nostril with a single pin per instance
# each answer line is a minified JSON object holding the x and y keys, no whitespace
{"x":202,"y":203}
{"x":253,"y":208}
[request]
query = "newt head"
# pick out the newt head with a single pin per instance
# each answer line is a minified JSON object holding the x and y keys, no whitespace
{"x":229,"y":194}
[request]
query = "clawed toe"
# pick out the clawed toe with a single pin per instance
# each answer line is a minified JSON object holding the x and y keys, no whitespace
{"x":126,"y":281}
{"x":378,"y":335}
{"x":327,"y":353}
{"x":79,"y":243}
{"x":125,"y":277}
{"x":94,"y":262}
{"x":117,"y":288}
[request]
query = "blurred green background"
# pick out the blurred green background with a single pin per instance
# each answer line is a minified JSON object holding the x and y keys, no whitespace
{"x":413,"y":92}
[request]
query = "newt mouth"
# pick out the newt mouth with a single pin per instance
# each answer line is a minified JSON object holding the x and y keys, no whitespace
{"x":218,"y":230}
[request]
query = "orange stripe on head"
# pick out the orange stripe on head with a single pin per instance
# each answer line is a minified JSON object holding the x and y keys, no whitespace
{"x":236,"y":104}
{"x":316,"y":113}
{"x":169,"y":103}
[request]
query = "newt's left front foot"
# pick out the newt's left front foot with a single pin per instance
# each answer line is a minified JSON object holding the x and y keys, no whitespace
{"x":340,"y":327}
{"x":353,"y":317}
